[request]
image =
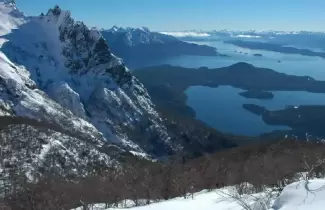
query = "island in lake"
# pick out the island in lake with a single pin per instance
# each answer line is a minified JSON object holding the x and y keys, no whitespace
{"x":257,"y":94}
{"x":274,"y":48}
{"x":167,"y":84}
{"x":255,"y":109}
{"x":306,"y":119}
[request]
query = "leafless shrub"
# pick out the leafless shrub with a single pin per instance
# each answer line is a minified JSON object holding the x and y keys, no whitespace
{"x":263,"y":166}
{"x":247,"y":200}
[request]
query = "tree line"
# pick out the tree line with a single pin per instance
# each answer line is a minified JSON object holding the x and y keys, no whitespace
{"x":269,"y":164}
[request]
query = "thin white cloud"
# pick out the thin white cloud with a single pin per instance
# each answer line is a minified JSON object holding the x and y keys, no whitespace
{"x":186,"y":34}
{"x":246,"y":36}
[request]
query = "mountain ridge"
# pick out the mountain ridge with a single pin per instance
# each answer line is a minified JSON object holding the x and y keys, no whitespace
{"x":137,"y":44}
{"x":67,"y":71}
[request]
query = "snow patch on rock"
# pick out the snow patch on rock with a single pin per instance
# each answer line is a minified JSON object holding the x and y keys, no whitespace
{"x":68,"y":98}
{"x":66,"y":72}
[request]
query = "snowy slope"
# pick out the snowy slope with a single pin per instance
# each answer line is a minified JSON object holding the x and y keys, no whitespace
{"x":205,"y":200}
{"x":302,"y":196}
{"x":58,"y":69}
{"x":294,"y":197}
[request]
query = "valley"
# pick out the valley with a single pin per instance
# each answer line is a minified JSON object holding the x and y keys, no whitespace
{"x":180,"y":84}
{"x":100,"y":117}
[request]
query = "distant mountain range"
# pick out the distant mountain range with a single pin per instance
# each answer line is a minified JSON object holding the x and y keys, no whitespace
{"x":299,"y":39}
{"x":247,"y":33}
{"x":141,"y":43}
{"x":275,"y":48}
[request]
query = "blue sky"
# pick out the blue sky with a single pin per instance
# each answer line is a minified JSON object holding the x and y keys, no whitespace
{"x":173,"y":15}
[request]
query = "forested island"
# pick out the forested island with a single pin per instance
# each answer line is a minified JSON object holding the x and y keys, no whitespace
{"x":256,"y":94}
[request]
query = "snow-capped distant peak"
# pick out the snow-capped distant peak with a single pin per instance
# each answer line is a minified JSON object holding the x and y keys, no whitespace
{"x":115,"y":28}
{"x":145,"y":29}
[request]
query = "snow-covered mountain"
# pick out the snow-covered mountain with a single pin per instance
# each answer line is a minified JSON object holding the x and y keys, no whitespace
{"x":136,"y":36}
{"x":134,"y":44}
{"x":56,"y":69}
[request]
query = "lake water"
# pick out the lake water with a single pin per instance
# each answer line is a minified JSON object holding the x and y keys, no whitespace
{"x":221,"y":108}
{"x":290,"y":63}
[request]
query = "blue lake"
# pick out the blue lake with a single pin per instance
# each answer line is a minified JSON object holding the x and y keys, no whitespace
{"x":221,"y":108}
{"x":289,"y":63}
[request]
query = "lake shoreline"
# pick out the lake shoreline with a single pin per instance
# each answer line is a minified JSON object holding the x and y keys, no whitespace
{"x":167,"y":85}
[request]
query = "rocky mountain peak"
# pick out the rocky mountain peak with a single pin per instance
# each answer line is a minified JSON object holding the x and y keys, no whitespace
{"x":76,"y":79}
{"x":55,"y":11}
{"x":85,"y":48}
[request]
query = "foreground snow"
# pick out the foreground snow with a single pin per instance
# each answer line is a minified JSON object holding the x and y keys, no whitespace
{"x":203,"y":200}
{"x":297,"y":196}
{"x":302,"y":196}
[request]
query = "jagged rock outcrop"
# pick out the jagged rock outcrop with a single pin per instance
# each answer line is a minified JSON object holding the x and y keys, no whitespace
{"x":65,"y":73}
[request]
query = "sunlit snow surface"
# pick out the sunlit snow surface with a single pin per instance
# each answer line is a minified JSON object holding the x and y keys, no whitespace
{"x":201,"y":201}
{"x":299,"y":196}
{"x":294,"y":197}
